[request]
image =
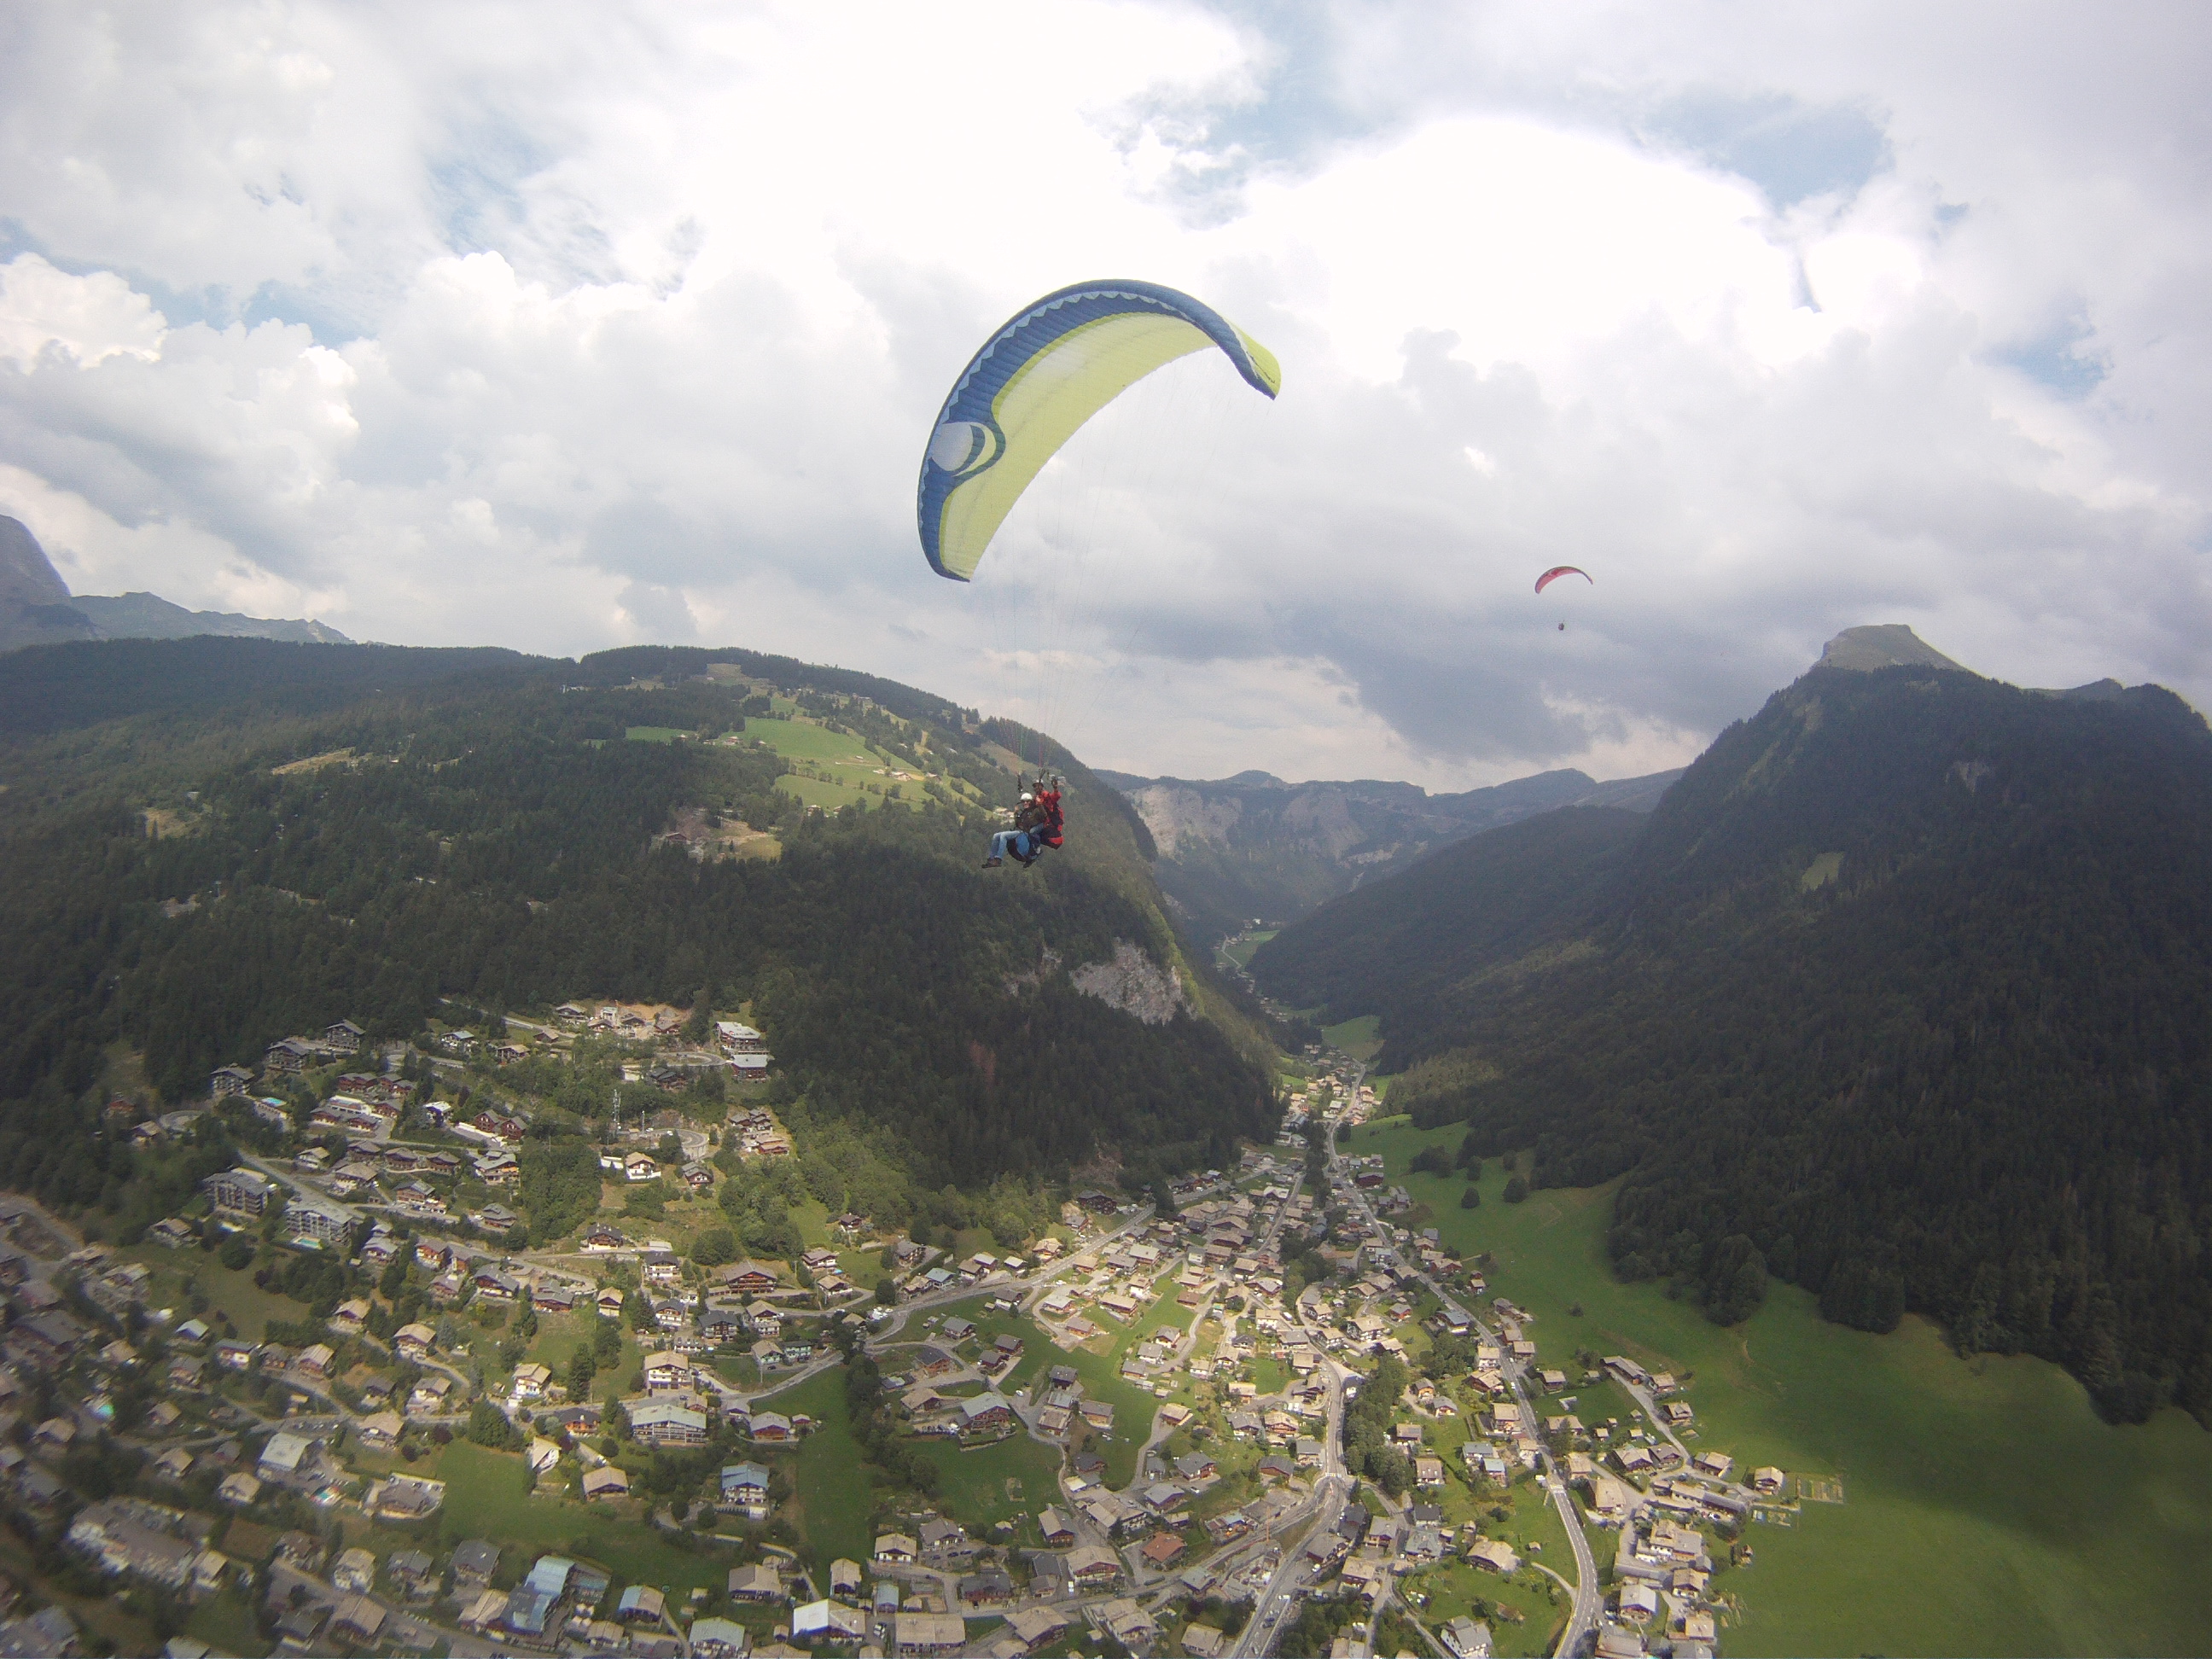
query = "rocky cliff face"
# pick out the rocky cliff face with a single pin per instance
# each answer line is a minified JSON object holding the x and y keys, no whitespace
{"x":1132,"y":982}
{"x":1174,"y":812}
{"x":36,"y":608}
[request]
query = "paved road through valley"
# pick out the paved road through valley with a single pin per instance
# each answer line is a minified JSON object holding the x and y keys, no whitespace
{"x":1587,"y":1599}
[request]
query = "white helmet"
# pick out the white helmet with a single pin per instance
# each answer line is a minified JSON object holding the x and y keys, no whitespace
{"x":1027,"y":796}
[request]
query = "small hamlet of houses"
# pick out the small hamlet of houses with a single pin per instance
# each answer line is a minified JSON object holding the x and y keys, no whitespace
{"x":1189,"y":1376}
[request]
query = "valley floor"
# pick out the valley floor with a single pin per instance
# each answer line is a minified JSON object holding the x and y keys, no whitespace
{"x":1986,"y":1509}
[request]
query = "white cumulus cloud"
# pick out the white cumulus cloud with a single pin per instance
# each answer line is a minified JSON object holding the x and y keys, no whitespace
{"x":565,"y":325}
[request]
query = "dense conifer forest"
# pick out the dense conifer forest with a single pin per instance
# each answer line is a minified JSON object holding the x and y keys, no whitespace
{"x":1903,"y":993}
{"x":473,"y":834}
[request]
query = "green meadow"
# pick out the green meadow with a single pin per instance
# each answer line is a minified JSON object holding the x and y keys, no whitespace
{"x":1454,"y":1589}
{"x":488,"y":1496}
{"x":1240,"y":949}
{"x":1008,"y":1481}
{"x":226,"y":1623}
{"x":229,"y":1293}
{"x":832,"y":1504}
{"x":1134,"y":1408}
{"x":1356,"y":1037}
{"x":848,"y":762}
{"x":1986,"y":1509}
{"x":803,"y":740}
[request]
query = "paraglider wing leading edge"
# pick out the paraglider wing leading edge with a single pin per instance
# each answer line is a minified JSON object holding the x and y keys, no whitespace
{"x":1033,"y":384}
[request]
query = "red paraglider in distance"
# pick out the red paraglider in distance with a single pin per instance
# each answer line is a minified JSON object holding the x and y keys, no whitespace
{"x":1558,"y":571}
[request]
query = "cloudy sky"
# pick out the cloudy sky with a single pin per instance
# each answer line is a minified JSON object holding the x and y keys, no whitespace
{"x":565,"y":325}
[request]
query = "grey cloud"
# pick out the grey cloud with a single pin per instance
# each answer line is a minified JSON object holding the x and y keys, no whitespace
{"x":659,"y":612}
{"x":721,"y":451}
{"x":639,"y":536}
{"x":1866,"y":480}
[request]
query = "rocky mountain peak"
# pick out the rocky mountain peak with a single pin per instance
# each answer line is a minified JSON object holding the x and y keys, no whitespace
{"x":28,"y":576}
{"x":1882,"y":645}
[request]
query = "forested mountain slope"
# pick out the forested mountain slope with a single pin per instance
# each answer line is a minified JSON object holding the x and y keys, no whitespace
{"x":1252,"y":846}
{"x":1401,"y":946}
{"x":209,"y":844}
{"x":1904,"y":993}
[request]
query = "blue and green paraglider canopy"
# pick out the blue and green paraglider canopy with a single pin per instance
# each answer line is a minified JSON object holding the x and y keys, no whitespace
{"x":1033,"y":386}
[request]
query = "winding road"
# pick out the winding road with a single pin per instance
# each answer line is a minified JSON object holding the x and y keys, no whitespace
{"x":1286,"y":1589}
{"x":1589,"y":1599}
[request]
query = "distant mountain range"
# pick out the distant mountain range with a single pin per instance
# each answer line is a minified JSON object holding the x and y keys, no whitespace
{"x":36,"y":608}
{"x":1253,"y":848}
{"x":1903,"y":993}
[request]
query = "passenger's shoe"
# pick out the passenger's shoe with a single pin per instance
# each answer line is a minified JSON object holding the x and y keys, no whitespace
{"x":992,"y":864}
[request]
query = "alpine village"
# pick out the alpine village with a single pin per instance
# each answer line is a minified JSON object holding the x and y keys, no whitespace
{"x":511,"y":1156}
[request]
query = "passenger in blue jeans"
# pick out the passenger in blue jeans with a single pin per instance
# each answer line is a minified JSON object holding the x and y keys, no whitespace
{"x":1037,"y":825}
{"x":1020,"y":843}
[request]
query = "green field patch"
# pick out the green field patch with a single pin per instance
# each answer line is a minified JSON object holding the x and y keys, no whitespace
{"x":1009,"y":1479}
{"x":803,"y":740}
{"x":657,"y":734}
{"x":233,"y":1293}
{"x":1822,"y":870}
{"x":989,"y":1324}
{"x":1357,"y":1037}
{"x":1100,"y":1369}
{"x":968,"y":1240}
{"x":488,"y":1496}
{"x":840,"y":770}
{"x":828,"y":796}
{"x":1990,"y":1511}
{"x":832,"y":1503}
{"x":863,"y":1267}
{"x":559,"y":1336}
{"x":1457,"y":1591}
{"x":1532,"y":1526}
{"x":1410,"y":1330}
{"x":811,"y":1218}
{"x":1035,"y":1346}
{"x":226,"y":1623}
{"x":1240,"y":949}
{"x":739,"y":1369}
{"x":1237,"y":1462}
{"x":1461,"y":1494}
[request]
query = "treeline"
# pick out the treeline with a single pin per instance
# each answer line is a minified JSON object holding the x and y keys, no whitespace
{"x":1904,"y":994}
{"x":1368,"y":1447}
{"x":868,"y":1408}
